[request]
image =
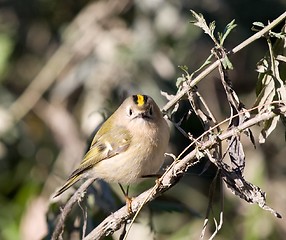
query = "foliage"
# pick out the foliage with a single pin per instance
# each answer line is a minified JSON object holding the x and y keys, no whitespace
{"x":63,"y":65}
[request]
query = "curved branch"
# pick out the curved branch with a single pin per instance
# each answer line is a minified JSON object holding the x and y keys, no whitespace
{"x":170,"y":178}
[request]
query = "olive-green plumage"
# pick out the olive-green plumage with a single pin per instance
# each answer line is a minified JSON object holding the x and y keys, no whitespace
{"x":130,"y":144}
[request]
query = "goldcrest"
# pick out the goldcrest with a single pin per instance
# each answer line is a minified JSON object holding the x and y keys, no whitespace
{"x":129,"y":145}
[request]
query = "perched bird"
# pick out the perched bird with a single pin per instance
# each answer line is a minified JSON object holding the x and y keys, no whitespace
{"x":129,"y":145}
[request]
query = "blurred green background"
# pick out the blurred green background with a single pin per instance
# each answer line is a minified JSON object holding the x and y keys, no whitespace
{"x":66,"y":65}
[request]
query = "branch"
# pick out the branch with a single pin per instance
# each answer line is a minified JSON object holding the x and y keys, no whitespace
{"x":176,"y":170}
{"x":170,"y":178}
{"x":77,"y":196}
{"x":213,"y":66}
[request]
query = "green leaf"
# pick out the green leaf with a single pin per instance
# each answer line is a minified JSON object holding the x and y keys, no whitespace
{"x":201,"y":23}
{"x":277,"y":35}
{"x":269,"y":126}
{"x":179,"y":81}
{"x":258,"y":24}
{"x":271,"y":85}
{"x":184,"y":68}
{"x":227,"y":63}
{"x":212,"y":27}
{"x":229,"y":27}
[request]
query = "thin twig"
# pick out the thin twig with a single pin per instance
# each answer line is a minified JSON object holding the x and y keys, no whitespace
{"x":115,"y":220}
{"x":79,"y":194}
{"x":214,"y":65}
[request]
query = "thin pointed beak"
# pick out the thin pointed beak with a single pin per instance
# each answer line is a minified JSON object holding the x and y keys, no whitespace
{"x":143,"y":115}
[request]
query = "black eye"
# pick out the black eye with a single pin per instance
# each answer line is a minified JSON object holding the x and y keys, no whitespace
{"x":130,"y":111}
{"x":151,"y":111}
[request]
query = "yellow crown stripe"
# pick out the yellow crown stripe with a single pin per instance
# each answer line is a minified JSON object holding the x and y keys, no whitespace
{"x":140,"y":100}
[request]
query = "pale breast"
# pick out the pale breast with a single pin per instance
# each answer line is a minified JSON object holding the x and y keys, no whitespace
{"x":145,"y":156}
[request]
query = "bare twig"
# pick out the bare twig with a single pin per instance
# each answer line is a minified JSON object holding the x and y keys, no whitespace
{"x":115,"y":220}
{"x":171,"y":176}
{"x":77,"y":196}
{"x":210,"y":208}
{"x":213,"y":66}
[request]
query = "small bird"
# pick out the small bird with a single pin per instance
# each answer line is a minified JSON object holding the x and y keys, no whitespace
{"x":129,"y":145}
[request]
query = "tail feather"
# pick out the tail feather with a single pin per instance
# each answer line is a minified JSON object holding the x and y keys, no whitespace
{"x":71,"y":181}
